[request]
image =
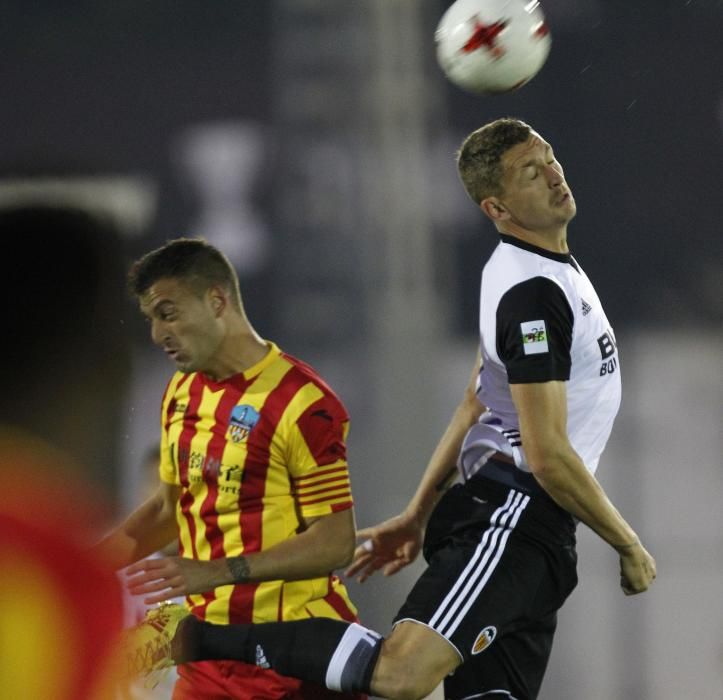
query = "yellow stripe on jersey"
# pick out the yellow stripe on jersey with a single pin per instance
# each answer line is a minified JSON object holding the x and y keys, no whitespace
{"x":170,"y":406}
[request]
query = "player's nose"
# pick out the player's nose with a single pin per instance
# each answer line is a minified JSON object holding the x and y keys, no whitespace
{"x":554,"y":176}
{"x":158,"y":334}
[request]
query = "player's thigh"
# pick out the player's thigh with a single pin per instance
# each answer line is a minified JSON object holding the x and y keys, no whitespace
{"x":410,"y":639}
{"x":413,"y":654}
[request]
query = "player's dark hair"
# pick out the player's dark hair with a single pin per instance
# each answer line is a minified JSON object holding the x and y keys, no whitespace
{"x":191,"y":260}
{"x":479,"y":159}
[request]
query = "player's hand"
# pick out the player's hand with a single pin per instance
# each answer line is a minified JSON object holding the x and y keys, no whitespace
{"x":637,"y":569}
{"x":390,"y":546}
{"x":172,"y":577}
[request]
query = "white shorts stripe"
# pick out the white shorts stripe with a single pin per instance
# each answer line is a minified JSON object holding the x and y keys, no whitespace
{"x":485,"y":567}
{"x":472,"y":562}
{"x":485,"y":550}
{"x":480,"y":567}
{"x":475,"y":593}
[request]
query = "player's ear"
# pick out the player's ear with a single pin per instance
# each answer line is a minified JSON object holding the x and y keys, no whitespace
{"x":494,"y":209}
{"x":218,"y":298}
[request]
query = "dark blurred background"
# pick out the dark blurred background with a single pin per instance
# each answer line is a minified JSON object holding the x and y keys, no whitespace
{"x":630,"y":96}
{"x":313,"y":141}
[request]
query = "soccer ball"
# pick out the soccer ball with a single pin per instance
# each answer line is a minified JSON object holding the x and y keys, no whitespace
{"x":492,"y":46}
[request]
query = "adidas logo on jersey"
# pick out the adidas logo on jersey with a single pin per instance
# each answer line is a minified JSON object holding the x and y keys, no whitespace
{"x":586,"y":308}
{"x":261,"y":659}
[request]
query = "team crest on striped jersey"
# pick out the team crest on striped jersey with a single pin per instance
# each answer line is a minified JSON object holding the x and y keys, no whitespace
{"x":484,"y":639}
{"x":241,"y":423}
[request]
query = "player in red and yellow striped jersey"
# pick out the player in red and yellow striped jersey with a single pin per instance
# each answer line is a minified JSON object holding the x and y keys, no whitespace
{"x":255,"y":457}
{"x":254,"y":475}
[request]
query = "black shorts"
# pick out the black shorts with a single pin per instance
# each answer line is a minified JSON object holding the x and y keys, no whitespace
{"x":501,"y":563}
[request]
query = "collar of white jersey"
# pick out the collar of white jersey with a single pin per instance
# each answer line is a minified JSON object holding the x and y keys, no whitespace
{"x":558,"y":257}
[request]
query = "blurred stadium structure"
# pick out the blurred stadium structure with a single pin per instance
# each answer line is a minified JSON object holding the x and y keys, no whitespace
{"x":322,"y":133}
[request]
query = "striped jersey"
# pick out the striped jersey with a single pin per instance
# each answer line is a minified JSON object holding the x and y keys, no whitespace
{"x":541,"y":320}
{"x":253,"y":455}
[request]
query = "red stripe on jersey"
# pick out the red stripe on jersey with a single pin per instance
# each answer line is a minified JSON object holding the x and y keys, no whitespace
{"x":310,"y":373}
{"x":190,"y":419}
{"x":253,"y":484}
{"x":183,"y":380}
{"x":342,"y":487}
{"x":337,"y":507}
{"x":212,"y":462}
{"x":171,"y":408}
{"x":166,"y":420}
{"x":313,"y":488}
{"x":184,"y":453}
{"x":322,"y":426}
{"x":326,"y":499}
{"x":339,"y":604}
{"x":280,"y":607}
{"x":321,"y":472}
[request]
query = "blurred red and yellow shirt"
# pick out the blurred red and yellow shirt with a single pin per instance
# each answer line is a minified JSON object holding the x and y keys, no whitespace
{"x":60,"y":607}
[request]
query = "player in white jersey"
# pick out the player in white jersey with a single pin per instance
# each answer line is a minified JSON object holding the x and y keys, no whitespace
{"x":541,"y":320}
{"x":501,"y":545}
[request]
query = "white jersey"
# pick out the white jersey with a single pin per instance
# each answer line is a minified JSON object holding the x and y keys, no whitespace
{"x":541,"y":320}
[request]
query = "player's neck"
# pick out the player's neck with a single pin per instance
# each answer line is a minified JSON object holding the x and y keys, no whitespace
{"x":554,"y":240}
{"x":241,"y":349}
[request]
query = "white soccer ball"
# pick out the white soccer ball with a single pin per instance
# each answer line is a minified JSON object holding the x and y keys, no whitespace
{"x":492,"y":46}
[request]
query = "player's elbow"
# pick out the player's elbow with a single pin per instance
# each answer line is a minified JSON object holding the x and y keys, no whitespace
{"x":345,"y":553}
{"x":544,"y":459}
{"x":339,"y":550}
{"x":470,"y":405}
{"x":333,"y":539}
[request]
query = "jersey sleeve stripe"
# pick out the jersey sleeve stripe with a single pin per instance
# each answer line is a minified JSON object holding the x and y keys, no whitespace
{"x":341,"y":479}
{"x":341,"y":489}
{"x":320,"y":473}
{"x":344,"y":486}
{"x":338,"y":507}
{"x":326,"y":499}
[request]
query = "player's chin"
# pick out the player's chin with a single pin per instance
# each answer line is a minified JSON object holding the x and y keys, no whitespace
{"x":185,"y":364}
{"x":567,"y":206}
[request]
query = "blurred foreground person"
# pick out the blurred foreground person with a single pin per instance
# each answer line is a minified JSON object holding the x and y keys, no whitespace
{"x":63,"y":375}
{"x":254,"y":481}
{"x":501,"y":545}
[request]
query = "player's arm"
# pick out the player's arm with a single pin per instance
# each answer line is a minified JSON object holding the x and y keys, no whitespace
{"x":542,"y":411}
{"x":326,"y":543}
{"x":149,"y":528}
{"x":441,"y":470}
{"x":315,"y":454}
{"x":393,"y":544}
